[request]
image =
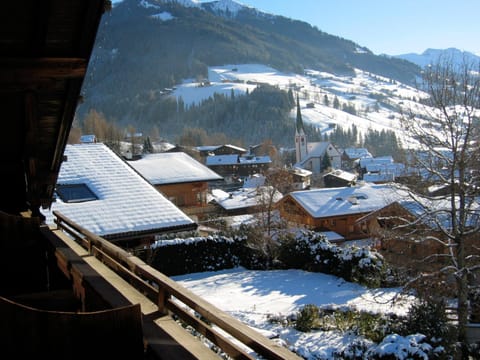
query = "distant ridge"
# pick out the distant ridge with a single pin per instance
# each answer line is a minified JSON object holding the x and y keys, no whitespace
{"x":432,"y":56}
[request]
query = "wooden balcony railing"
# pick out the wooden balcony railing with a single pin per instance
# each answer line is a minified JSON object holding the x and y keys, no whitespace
{"x":234,"y":337}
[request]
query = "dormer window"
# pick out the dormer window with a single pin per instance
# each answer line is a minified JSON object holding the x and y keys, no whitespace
{"x":75,"y":193}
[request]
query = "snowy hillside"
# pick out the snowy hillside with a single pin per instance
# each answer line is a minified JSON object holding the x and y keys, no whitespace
{"x":378,"y":102}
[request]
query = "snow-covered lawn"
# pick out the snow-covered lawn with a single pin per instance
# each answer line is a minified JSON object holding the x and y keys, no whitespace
{"x":256,"y":296}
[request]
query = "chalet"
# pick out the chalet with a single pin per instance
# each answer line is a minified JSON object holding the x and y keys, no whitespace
{"x":311,"y":156}
{"x":101,"y":192}
{"x":336,"y":209}
{"x":302,"y":179}
{"x":380,"y":169}
{"x":227,"y":149}
{"x":236,"y":166}
{"x":339,"y":178}
{"x":391,"y":229}
{"x":246,"y":200}
{"x":352,"y":156}
{"x":182,"y":179}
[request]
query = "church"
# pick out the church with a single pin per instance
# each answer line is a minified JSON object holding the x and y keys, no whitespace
{"x":313,"y":156}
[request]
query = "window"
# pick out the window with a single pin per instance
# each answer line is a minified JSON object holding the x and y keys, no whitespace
{"x":73,"y":193}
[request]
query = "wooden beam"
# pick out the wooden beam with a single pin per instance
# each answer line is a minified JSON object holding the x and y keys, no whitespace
{"x":28,"y":70}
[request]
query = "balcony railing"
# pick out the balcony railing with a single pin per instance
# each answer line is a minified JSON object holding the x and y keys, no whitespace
{"x":232,"y":336}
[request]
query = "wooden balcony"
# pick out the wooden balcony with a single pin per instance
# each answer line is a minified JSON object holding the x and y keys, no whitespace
{"x":103,"y":273}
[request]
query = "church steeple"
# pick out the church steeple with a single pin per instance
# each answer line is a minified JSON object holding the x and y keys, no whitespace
{"x":300,"y":137}
{"x":299,"y":122}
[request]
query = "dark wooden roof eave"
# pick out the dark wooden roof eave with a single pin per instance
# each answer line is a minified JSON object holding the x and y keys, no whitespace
{"x":45,"y":49}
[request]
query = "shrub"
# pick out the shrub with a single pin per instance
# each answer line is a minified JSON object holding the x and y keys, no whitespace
{"x":196,"y":254}
{"x":354,"y":351}
{"x":429,"y":318}
{"x":394,"y":346}
{"x":307,"y":318}
{"x":311,"y":251}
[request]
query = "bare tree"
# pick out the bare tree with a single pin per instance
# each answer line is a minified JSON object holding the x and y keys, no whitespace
{"x":447,"y":154}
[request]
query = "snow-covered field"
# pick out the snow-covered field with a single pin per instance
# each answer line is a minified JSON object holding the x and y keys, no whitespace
{"x":255,"y":296}
{"x":379,"y":102}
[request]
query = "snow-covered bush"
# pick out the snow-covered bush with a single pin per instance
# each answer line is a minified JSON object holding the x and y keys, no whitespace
{"x":394,"y":346}
{"x":196,"y":254}
{"x":429,"y":318}
{"x":309,"y":250}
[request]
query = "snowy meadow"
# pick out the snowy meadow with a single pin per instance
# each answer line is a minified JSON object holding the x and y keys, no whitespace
{"x":257,"y":297}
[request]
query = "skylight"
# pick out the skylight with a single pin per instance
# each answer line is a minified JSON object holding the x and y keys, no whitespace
{"x":74,"y":193}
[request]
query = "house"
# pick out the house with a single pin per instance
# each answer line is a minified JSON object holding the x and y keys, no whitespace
{"x":336,"y":209}
{"x":302,"y":179}
{"x":311,"y":156}
{"x":227,"y":149}
{"x":236,"y":166}
{"x":351,"y":157}
{"x":101,"y":192}
{"x":380,"y":169}
{"x":246,"y":200}
{"x":339,"y":178}
{"x":181,"y":178}
{"x":391,"y":229}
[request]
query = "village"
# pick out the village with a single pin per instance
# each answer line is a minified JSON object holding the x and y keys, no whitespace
{"x":313,"y":250}
{"x":327,"y":189}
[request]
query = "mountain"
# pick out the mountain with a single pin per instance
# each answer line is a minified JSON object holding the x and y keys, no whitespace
{"x":145,"y":48}
{"x":432,"y":56}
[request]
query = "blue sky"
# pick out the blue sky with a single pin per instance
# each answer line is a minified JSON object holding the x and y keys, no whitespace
{"x":388,"y":26}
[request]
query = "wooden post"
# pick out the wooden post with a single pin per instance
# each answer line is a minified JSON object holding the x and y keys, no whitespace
{"x":162,"y":299}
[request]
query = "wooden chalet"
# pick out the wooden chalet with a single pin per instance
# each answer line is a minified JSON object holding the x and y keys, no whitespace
{"x":227,"y":149}
{"x":302,"y":179}
{"x":65,"y":292}
{"x":336,"y":209}
{"x":339,"y":178}
{"x":92,"y":189}
{"x":181,"y":178}
{"x":405,"y":233}
{"x":236,"y":166}
{"x":351,"y":157}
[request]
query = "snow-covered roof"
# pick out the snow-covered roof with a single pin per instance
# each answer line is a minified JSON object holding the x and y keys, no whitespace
{"x":435,"y":211}
{"x":357,"y":153}
{"x":301,"y":172}
{"x":242,"y":198}
{"x":207,"y":147}
{"x":173,"y":168}
{"x":379,"y":177}
{"x":345,"y":175}
{"x":346,"y":200}
{"x":215,"y":147}
{"x":385,"y":167}
{"x":317,"y":148}
{"x":332,"y":236}
{"x":125,"y":202}
{"x":377,"y":160}
{"x":254,"y":181}
{"x":236,"y":159}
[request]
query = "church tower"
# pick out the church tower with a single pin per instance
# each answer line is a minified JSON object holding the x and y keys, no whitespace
{"x":300,"y":137}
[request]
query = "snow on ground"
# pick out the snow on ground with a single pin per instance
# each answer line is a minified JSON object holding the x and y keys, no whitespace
{"x":379,"y":102}
{"x":255,"y":296}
